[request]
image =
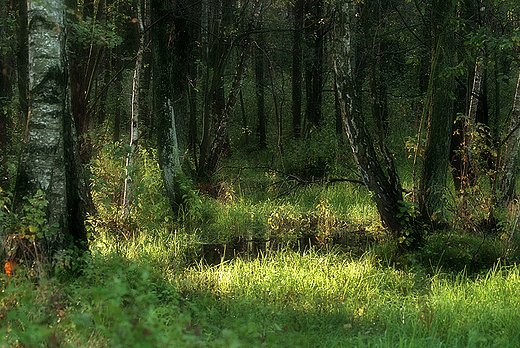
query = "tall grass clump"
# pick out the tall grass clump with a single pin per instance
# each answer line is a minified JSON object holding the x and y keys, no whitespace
{"x":318,"y":299}
{"x":149,"y":208}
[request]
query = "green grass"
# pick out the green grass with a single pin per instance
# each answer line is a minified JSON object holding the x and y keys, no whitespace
{"x":140,"y":296}
{"x":144,"y":284}
{"x":327,"y":299}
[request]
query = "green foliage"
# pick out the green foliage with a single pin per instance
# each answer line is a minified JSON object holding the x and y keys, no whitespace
{"x":149,"y":208}
{"x":114,"y":303}
{"x":314,"y":156}
{"x":22,"y":233}
{"x":87,"y":31}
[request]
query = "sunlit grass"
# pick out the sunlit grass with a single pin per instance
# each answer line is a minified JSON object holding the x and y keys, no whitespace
{"x":327,"y":299}
{"x":317,"y":298}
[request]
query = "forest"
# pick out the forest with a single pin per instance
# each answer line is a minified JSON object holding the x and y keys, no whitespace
{"x":259,"y":173}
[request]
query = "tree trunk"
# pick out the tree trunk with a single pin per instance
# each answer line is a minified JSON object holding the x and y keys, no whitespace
{"x":49,"y":161}
{"x":510,"y":157}
{"x":167,"y":140}
{"x":221,"y":137}
{"x":297,"y":68}
{"x":314,"y":69}
{"x":22,"y":62}
{"x":388,"y":199}
{"x":469,"y":173}
{"x":5,"y":94}
{"x":193,"y":76}
{"x":260,"y":89}
{"x":372,"y":18}
{"x":135,"y":116}
{"x":439,"y":114}
{"x":219,"y":20}
{"x":221,"y":140}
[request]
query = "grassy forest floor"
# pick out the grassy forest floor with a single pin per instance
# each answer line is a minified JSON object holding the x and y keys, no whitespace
{"x":253,"y":264}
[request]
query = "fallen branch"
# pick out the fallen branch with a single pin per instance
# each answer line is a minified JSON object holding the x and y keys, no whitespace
{"x":296,"y":180}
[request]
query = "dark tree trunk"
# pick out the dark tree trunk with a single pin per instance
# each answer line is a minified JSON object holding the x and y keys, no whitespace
{"x":23,"y":56}
{"x":297,"y":68}
{"x":193,"y":76}
{"x":314,"y":68}
{"x":221,"y":137}
{"x":372,"y":17}
{"x":168,"y":65}
{"x":439,"y":114}
{"x":220,"y":19}
{"x":260,"y":87}
{"x":5,"y":94}
{"x":510,"y":157}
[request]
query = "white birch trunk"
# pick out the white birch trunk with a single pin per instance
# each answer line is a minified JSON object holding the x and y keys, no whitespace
{"x":134,"y":123}
{"x":470,"y":165}
{"x":49,"y":159}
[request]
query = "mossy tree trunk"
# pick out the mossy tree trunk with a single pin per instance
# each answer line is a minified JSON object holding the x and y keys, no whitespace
{"x":510,"y":157}
{"x":165,"y":99}
{"x":439,"y":113}
{"x":6,"y":82}
{"x":49,"y":161}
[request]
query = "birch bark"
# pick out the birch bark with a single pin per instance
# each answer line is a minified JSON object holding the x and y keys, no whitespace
{"x":49,"y":161}
{"x":135,"y":117}
{"x":385,"y":192}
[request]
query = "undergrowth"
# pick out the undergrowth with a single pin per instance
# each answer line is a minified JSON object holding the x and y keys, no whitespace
{"x":146,"y":281}
{"x":316,"y":298}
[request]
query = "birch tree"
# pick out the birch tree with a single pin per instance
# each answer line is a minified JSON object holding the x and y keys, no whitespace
{"x":49,"y":161}
{"x":379,"y":180}
{"x":135,"y":113}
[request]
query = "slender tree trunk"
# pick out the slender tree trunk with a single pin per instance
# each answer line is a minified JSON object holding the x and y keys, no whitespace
{"x":469,"y":174}
{"x":297,"y":68}
{"x":5,"y":95}
{"x":221,"y":140}
{"x":221,"y":136}
{"x":219,"y":21}
{"x":23,"y":56}
{"x":314,"y":69}
{"x":260,"y":88}
{"x":372,"y":18}
{"x":510,"y":157}
{"x":439,"y":114}
{"x":49,"y":161}
{"x":194,"y":73}
{"x":388,"y":199}
{"x":135,"y":117}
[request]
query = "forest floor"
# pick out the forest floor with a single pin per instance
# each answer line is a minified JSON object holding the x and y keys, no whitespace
{"x":247,"y":267}
{"x":315,"y":298}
